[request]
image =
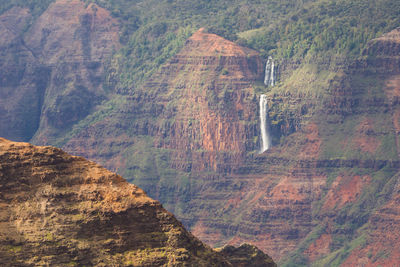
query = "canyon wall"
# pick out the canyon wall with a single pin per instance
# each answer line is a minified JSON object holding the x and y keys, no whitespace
{"x":193,"y":132}
{"x":200,"y":108}
{"x":323,"y":194}
{"x":53,"y":68}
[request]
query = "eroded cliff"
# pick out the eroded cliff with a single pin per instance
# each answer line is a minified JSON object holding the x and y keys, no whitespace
{"x":199,"y":107}
{"x":309,"y":199}
{"x":323,"y":194}
{"x":53,"y":67}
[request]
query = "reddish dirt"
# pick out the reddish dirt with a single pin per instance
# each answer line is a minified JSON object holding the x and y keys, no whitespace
{"x":365,"y":140}
{"x":319,"y":247}
{"x":200,"y":229}
{"x":393,"y":36}
{"x":345,"y":189}
{"x":287,"y":189}
{"x":212,"y":44}
{"x":312,"y":147}
{"x":382,"y":246}
{"x":392,"y":90}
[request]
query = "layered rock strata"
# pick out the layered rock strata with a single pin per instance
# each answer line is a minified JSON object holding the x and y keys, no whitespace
{"x":201,"y":107}
{"x":190,"y":134}
{"x":304,"y":198}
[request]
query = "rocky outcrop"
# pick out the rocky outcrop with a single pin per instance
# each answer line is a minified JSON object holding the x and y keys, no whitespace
{"x":382,"y":54}
{"x":315,"y":194}
{"x":59,"y":209}
{"x":240,"y":256}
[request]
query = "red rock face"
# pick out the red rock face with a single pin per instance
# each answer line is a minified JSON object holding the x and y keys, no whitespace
{"x":298,"y":187}
{"x":198,"y":116}
{"x":202,"y":102}
{"x":381,"y":248}
{"x":308,"y":194}
{"x":215,"y":99}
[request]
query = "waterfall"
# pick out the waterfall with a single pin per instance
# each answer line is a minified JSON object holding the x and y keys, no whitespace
{"x":272,"y":78}
{"x":269,"y":78}
{"x":265,"y":138}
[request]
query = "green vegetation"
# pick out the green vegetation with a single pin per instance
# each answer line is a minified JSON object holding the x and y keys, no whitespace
{"x":14,"y":249}
{"x":153,"y":31}
{"x":351,"y":223}
{"x":36,"y":6}
{"x":317,"y":34}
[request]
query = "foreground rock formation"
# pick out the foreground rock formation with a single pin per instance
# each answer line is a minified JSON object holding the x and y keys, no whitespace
{"x":57,"y":209}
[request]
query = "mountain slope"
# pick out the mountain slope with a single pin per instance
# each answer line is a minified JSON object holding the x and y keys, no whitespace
{"x":53,"y":67}
{"x":309,"y":199}
{"x":182,"y":121}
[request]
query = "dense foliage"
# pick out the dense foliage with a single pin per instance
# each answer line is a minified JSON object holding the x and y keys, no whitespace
{"x":153,"y":31}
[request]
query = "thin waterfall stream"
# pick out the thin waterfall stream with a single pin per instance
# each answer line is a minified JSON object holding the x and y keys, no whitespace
{"x":265,"y":136}
{"x":269,"y":81}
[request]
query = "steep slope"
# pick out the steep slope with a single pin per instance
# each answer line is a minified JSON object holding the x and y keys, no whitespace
{"x":324,"y":185}
{"x":22,"y":79}
{"x":383,"y":226}
{"x":189,"y":135}
{"x":309,"y":198}
{"x":53,"y":67}
{"x":63,"y":210}
{"x":196,"y":115}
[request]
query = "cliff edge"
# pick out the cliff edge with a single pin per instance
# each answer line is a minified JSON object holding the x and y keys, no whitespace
{"x":58,"y":209}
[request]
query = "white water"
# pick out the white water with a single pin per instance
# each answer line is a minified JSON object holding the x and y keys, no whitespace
{"x":272,"y":78}
{"x":269,"y":78}
{"x":265,"y":138}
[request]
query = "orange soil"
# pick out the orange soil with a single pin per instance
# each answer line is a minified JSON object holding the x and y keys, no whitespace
{"x":312,"y":148}
{"x":202,"y":230}
{"x":213,"y":44}
{"x":319,"y":247}
{"x":365,"y":141}
{"x":345,"y":189}
{"x":382,"y":246}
